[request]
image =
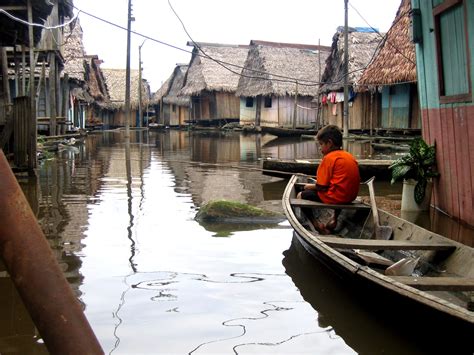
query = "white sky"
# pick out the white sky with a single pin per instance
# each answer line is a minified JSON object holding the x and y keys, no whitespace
{"x":216,"y":21}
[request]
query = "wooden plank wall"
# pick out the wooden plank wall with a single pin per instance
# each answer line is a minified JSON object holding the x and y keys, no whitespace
{"x":227,"y":105}
{"x":359,"y":112}
{"x":452,"y":128}
{"x":183,"y":115}
{"x":21,"y":130}
{"x":174,"y":115}
{"x":247,"y":114}
{"x":282,"y":112}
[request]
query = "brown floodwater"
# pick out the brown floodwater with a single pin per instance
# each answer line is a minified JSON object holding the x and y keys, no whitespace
{"x":120,"y":220}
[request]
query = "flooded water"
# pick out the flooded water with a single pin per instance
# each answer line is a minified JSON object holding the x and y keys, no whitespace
{"x":152,"y":280}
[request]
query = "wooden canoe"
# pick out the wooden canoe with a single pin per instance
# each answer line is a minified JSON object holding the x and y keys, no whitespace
{"x":442,"y":281}
{"x":288,"y":132}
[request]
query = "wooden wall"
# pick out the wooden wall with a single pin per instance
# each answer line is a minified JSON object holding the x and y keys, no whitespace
{"x":283,"y":110}
{"x":174,"y":115}
{"x":227,"y":105}
{"x":452,"y":129}
{"x":449,"y":125}
{"x":363,"y":113}
{"x":183,"y":115}
{"x":400,"y":107}
{"x":247,"y":114}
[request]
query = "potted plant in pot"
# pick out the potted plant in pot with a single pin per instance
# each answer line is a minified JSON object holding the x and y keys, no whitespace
{"x":417,"y":168}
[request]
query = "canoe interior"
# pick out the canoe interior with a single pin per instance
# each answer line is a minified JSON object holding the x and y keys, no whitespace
{"x":444,"y":273}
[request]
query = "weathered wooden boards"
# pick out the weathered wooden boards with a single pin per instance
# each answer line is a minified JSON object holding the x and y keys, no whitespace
{"x":285,"y":168}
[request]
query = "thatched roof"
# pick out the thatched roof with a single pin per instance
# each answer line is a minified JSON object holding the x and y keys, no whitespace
{"x":173,"y":97}
{"x":96,"y":81}
{"x":115,"y":81}
{"x":362,"y":47}
{"x":73,"y":51}
{"x":273,"y":69}
{"x":205,"y":74}
{"x":162,"y":91}
{"x":395,"y":62}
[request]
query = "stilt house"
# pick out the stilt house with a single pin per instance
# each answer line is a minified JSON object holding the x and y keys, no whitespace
{"x":279,"y":83}
{"x":84,"y":92}
{"x":174,"y":107}
{"x":211,"y":82}
{"x":161,"y":110}
{"x":115,"y":82}
{"x":392,"y":75}
{"x":363,"y":45}
{"x":443,"y":32}
{"x":22,"y":58}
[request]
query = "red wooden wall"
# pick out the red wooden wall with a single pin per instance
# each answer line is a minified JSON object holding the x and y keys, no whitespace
{"x":452,"y":129}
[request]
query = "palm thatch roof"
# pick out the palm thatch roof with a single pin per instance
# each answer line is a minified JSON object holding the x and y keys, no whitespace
{"x":395,"y":62}
{"x":96,"y":81}
{"x":274,"y":68}
{"x":162,"y":91}
{"x":362,"y":48}
{"x":173,"y":97}
{"x":115,"y":81}
{"x":214,"y":67}
{"x":73,"y":51}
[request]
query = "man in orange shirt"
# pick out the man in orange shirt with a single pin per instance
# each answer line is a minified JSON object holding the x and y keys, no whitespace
{"x":337,"y":177}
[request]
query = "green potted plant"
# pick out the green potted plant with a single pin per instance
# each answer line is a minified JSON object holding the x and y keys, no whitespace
{"x":416,"y":168}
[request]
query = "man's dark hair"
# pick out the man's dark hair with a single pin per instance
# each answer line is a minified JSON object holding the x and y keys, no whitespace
{"x":330,"y":132}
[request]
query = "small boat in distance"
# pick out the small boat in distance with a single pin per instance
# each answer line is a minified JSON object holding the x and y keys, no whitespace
{"x":419,"y":268}
{"x":289,"y":132}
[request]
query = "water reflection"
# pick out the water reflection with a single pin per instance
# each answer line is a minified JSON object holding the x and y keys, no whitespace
{"x":368,"y":323}
{"x":120,"y":219}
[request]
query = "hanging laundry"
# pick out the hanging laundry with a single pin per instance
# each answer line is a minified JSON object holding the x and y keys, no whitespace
{"x":334,"y":109}
{"x":339,"y":97}
{"x":352,"y":94}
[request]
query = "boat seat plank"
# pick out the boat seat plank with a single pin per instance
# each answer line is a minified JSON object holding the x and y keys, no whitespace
{"x":298,"y":202}
{"x":375,"y":244}
{"x":371,"y":257}
{"x":437,"y":283}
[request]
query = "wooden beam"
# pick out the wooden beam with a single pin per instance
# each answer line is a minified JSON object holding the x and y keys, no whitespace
{"x":297,"y":202}
{"x":375,"y":244}
{"x":14,"y":8}
{"x":437,"y":283}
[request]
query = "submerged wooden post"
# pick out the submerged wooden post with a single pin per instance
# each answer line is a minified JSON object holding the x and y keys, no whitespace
{"x":37,"y":276}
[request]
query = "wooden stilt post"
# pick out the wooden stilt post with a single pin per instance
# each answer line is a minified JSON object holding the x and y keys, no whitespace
{"x":52,"y":93}
{"x":23,"y":70}
{"x":32,"y":159}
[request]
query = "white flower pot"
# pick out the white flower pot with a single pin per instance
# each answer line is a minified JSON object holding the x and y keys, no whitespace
{"x":408,"y":196}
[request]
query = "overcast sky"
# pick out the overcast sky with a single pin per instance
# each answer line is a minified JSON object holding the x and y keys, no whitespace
{"x":216,"y":21}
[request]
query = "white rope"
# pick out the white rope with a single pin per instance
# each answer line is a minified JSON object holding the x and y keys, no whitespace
{"x":38,"y":24}
{"x":307,"y":108}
